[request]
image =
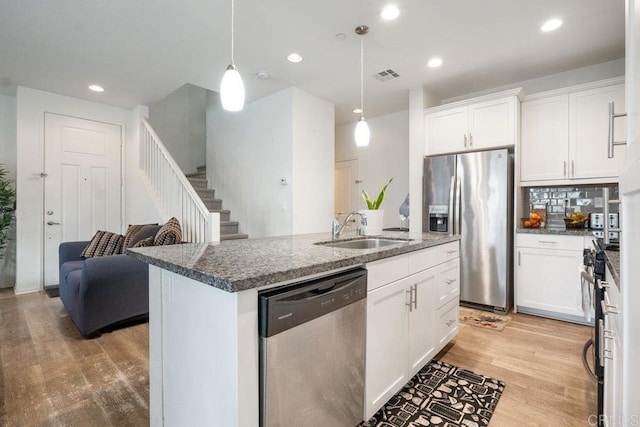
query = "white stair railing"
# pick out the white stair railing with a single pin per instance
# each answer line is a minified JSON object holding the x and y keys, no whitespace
{"x":173,"y":192}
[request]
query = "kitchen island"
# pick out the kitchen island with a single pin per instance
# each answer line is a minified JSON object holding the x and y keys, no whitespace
{"x":203,"y":313}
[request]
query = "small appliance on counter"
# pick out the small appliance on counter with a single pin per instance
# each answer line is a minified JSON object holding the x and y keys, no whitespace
{"x":596,"y":221}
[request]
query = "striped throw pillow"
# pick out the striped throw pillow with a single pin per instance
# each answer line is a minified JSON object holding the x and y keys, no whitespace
{"x":103,"y":243}
{"x":169,"y":234}
{"x":144,"y":243}
{"x":137,"y":232}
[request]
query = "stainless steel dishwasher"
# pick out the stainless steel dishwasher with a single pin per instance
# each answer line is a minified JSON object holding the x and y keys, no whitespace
{"x":312,"y":352}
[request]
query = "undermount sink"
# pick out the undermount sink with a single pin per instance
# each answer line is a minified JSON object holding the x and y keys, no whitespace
{"x":366,"y":243}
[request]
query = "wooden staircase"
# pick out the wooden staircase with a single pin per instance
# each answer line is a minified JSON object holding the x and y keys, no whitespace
{"x":228,"y":228}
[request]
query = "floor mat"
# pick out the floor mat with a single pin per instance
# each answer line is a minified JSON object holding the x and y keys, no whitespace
{"x":484,"y":319}
{"x":441,"y":395}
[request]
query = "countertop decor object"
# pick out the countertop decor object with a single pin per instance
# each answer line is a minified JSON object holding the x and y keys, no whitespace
{"x":7,"y":207}
{"x":374,"y":214}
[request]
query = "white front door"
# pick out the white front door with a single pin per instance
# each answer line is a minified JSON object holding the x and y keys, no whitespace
{"x":346,"y":186}
{"x":82,"y":190}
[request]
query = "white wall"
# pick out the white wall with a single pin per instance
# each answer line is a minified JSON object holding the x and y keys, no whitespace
{"x":287,"y":135}
{"x":247,"y":154}
{"x":180,"y":121}
{"x":8,"y":160}
{"x":578,"y":76}
{"x":313,"y":163}
{"x":387,"y":156}
{"x":31,"y":105}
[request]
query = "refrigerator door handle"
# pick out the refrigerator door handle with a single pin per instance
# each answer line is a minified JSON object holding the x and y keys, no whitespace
{"x":456,"y":217}
{"x":452,"y":187}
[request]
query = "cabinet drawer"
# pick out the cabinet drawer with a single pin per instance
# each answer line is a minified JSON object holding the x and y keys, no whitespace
{"x":387,"y":270}
{"x":447,"y":322}
{"x":423,"y":259}
{"x":448,"y":282}
{"x":550,"y":241}
{"x":449,"y":251}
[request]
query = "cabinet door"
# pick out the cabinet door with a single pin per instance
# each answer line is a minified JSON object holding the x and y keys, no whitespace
{"x":492,"y":123}
{"x":549,"y":279}
{"x":545,"y":139}
{"x":446,"y":131}
{"x":589,"y":129}
{"x":446,"y":320}
{"x":386,"y":365}
{"x":421,"y":327}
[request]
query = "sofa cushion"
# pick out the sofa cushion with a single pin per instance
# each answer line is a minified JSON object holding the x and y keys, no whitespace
{"x":144,"y":242}
{"x":137,"y":232}
{"x":169,"y":234}
{"x":103,"y":243}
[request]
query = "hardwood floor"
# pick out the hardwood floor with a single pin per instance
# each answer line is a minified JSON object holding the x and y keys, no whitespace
{"x":540,"y":360}
{"x":50,"y":375}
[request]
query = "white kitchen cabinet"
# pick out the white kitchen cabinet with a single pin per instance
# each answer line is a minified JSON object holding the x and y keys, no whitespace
{"x":564,"y":136}
{"x":548,"y":276}
{"x":612,"y":352}
{"x":421,"y":332}
{"x":387,"y":335}
{"x":403,"y":319}
{"x":476,"y":124}
{"x":545,"y":131}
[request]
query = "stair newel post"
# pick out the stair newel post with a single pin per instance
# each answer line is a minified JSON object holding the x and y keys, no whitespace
{"x":213,"y":227}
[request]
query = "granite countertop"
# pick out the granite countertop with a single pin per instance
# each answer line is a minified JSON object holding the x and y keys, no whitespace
{"x":557,"y":231}
{"x":237,"y":265}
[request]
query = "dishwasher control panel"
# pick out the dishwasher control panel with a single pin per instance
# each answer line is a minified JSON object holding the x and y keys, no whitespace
{"x":283,"y":308}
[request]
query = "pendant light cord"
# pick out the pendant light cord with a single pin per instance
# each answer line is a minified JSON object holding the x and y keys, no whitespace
{"x":232,"y":29}
{"x":362,"y":75}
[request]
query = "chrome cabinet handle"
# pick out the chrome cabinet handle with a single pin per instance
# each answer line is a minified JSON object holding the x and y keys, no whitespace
{"x":449,"y":322}
{"x":610,"y":141}
{"x":415,"y":300}
{"x":608,"y":309}
{"x":518,"y":258}
{"x":547,"y":242}
{"x":470,"y":139}
{"x":450,"y":281}
{"x":573,"y":168}
{"x":452,"y":252}
{"x":410,"y":303}
{"x":465,"y":140}
{"x":52,"y":223}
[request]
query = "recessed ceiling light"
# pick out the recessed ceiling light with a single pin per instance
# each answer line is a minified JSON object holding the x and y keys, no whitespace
{"x":551,"y":24}
{"x":340,"y":36}
{"x":390,"y":12}
{"x":434,"y":62}
{"x":357,"y":110}
{"x":294,"y":57}
{"x":96,"y":88}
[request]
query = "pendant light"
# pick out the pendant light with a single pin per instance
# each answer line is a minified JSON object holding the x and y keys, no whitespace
{"x":362,"y":133}
{"x":232,"y":88}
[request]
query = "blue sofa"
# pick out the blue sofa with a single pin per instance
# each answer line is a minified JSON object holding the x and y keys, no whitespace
{"x":102,"y":292}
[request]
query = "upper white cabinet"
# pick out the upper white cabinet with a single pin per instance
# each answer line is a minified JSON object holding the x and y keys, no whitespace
{"x":564,"y":136}
{"x":475,"y":124}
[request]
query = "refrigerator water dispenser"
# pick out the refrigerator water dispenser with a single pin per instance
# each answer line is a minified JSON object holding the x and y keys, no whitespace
{"x":439,"y":218}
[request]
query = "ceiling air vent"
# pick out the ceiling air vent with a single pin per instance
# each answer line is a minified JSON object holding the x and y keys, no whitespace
{"x":385,"y":75}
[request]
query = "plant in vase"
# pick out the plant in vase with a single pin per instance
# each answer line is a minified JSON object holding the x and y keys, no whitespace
{"x":7,"y":208}
{"x":373,"y":212}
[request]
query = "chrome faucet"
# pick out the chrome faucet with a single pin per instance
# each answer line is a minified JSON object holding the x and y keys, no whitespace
{"x":336,"y":228}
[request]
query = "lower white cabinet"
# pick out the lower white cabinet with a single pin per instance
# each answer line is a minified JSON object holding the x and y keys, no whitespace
{"x":548,"y":275}
{"x":409,"y":319}
{"x":612,"y":353}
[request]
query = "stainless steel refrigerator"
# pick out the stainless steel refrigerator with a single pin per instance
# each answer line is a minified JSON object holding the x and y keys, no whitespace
{"x":471,"y":194}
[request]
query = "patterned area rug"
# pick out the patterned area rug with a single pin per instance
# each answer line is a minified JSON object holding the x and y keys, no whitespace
{"x":484,"y":319}
{"x":441,"y":395}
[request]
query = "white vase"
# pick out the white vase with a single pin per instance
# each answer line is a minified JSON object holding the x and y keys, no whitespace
{"x":374,"y":222}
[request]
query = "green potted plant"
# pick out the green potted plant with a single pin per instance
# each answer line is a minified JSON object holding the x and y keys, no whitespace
{"x":7,"y":208}
{"x":373,"y":212}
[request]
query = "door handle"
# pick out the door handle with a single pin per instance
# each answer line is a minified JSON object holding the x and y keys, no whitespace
{"x":465,"y":140}
{"x":470,"y":140}
{"x":52,"y":223}
{"x":415,"y":301}
{"x":410,"y":303}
